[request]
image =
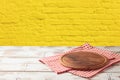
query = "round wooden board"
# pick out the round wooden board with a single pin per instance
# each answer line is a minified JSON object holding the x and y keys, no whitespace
{"x":83,"y":60}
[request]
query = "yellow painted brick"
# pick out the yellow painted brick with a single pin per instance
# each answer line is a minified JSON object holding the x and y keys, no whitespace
{"x":69,"y":10}
{"x":59,"y":22}
{"x":83,"y":16}
{"x":93,"y":22}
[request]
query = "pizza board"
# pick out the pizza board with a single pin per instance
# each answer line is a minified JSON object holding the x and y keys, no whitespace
{"x":84,"y":60}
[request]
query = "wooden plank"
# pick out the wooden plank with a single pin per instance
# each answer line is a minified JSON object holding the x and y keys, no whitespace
{"x":114,"y":69}
{"x":22,"y":64}
{"x":8,"y":60}
{"x":36,"y":76}
{"x":107,"y":76}
{"x":24,"y":67}
{"x":37,"y":67}
{"x":36,"y":51}
{"x":29,"y":51}
{"x":21,"y":53}
{"x":113,"y":48}
{"x":32,"y":64}
{"x":12,"y":67}
{"x":53,"y":76}
{"x":42,"y":68}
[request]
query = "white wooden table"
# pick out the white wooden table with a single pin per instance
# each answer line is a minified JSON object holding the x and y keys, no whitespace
{"x":21,"y":63}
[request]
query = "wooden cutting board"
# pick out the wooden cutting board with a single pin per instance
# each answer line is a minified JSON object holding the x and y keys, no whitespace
{"x":84,"y":60}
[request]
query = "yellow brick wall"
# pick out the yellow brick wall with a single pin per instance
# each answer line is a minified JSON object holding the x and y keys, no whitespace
{"x":60,"y":22}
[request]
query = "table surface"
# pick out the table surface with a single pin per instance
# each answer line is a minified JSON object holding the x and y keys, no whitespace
{"x":21,"y":63}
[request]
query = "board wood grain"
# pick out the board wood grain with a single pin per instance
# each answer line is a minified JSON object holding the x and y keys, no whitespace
{"x":21,"y":63}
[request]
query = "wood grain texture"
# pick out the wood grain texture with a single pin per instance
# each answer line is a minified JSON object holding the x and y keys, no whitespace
{"x":84,"y":60}
{"x":21,"y":63}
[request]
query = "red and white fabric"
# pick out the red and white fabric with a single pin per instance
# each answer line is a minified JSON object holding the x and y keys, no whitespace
{"x":54,"y":63}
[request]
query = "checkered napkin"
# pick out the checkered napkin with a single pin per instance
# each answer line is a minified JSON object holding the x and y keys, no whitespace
{"x":54,"y":63}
